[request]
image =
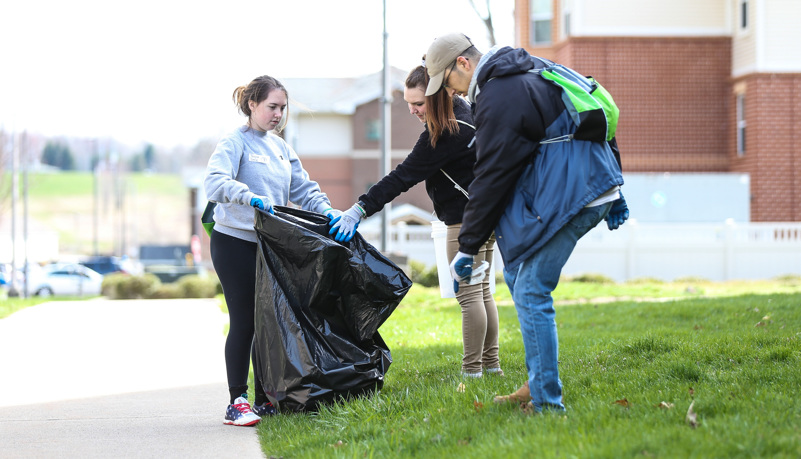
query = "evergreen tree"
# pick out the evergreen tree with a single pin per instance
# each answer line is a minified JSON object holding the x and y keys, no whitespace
{"x":59,"y":156}
{"x":149,"y":156}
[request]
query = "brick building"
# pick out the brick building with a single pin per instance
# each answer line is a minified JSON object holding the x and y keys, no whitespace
{"x":335,"y":128}
{"x":703,"y":85}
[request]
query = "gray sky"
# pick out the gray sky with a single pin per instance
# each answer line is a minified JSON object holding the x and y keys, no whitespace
{"x":163,"y":71}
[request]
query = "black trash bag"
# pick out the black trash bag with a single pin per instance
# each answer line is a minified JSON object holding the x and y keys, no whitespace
{"x":319,"y":304}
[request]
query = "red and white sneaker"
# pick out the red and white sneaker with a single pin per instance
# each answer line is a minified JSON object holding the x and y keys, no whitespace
{"x":240,"y":414}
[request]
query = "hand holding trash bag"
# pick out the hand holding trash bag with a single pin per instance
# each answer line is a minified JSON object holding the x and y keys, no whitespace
{"x":261,"y":203}
{"x":345,"y":225}
{"x":332,"y":213}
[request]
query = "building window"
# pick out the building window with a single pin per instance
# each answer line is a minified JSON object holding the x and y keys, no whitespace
{"x":373,"y":131}
{"x":743,"y":14}
{"x":741,"y":124}
{"x":541,"y":16}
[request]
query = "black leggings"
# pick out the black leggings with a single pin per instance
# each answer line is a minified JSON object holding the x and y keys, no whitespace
{"x":234,"y":260}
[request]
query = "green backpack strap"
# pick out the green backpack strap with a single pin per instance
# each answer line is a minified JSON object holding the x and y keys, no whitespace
{"x":610,"y":108}
{"x":590,"y":105}
{"x":207,"y":219}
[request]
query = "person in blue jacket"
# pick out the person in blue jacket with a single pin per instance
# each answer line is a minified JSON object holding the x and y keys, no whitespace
{"x":536,"y":185}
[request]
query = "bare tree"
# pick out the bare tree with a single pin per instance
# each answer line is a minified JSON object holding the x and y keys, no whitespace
{"x":486,"y":20}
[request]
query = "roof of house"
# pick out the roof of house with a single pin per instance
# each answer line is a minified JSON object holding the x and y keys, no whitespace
{"x":407,"y":213}
{"x":339,"y":95}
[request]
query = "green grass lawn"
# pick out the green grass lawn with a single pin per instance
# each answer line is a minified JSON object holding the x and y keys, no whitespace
{"x":81,"y":184}
{"x":93,"y":213}
{"x":9,"y":306}
{"x":630,"y":369}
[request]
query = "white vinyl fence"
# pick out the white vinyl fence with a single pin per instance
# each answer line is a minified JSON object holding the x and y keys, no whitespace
{"x":714,"y":251}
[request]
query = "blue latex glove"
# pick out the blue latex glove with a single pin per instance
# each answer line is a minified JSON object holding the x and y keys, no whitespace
{"x":345,"y":225}
{"x":618,"y":214}
{"x":462,"y":270}
{"x":261,"y":203}
{"x":332,"y":213}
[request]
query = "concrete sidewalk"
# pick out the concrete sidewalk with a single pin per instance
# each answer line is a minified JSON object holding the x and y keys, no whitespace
{"x":134,"y":378}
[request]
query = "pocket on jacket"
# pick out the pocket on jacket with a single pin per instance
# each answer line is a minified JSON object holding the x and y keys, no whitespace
{"x":519,"y":225}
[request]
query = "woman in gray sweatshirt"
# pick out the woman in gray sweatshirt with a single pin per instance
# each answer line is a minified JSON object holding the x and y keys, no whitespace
{"x":251,"y":167}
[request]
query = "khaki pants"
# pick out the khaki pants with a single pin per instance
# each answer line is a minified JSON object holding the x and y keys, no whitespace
{"x":479,"y":313}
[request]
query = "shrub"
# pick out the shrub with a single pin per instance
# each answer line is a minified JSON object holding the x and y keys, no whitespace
{"x":167,"y":291}
{"x":427,"y":277}
{"x":109,"y":286}
{"x":191,"y":286}
{"x":194,"y":286}
{"x":691,"y":280}
{"x":591,"y":278}
{"x":148,"y":285}
{"x":126,"y":287}
{"x":791,"y":280}
{"x":645,"y":280}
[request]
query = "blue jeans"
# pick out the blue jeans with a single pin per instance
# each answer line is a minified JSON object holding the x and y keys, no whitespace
{"x":531,"y":284}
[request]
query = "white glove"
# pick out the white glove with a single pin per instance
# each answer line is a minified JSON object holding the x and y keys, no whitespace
{"x":345,"y":225}
{"x":462,"y":270}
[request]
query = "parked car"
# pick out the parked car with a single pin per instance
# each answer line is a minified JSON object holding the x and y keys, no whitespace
{"x":5,"y":277}
{"x":66,"y":279}
{"x":104,"y":265}
{"x":19,"y":274}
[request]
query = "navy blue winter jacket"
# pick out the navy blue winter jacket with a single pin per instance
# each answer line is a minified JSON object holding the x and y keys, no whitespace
{"x":523,"y":190}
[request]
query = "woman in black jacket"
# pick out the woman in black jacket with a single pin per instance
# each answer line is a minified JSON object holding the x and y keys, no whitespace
{"x":443,"y":157}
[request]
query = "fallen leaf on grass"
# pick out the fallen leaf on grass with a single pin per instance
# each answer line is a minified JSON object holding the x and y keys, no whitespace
{"x":759,"y":324}
{"x":692,"y":391}
{"x":478,"y":406}
{"x":664,"y":405}
{"x":692,"y":418}
{"x":461,"y":387}
{"x":337,"y":444}
{"x":623,"y":402}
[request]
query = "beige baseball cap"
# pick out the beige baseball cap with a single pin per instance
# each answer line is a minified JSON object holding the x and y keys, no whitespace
{"x":440,"y":57}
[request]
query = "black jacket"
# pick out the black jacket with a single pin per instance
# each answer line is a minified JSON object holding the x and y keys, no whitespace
{"x":452,"y":155}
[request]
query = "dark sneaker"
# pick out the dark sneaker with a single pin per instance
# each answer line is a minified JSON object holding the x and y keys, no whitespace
{"x":240,"y":414}
{"x":267,"y":409}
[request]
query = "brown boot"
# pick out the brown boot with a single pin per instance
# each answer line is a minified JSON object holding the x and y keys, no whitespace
{"x":518,"y":396}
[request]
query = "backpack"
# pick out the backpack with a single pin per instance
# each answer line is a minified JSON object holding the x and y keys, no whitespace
{"x":590,"y":105}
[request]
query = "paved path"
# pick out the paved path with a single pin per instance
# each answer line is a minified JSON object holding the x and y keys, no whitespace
{"x":134,"y":378}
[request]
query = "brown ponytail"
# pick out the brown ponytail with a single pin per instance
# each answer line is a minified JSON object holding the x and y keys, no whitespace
{"x":258,"y":90}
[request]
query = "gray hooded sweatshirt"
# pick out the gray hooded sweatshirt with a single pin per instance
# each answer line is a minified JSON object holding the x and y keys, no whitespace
{"x":248,"y":163}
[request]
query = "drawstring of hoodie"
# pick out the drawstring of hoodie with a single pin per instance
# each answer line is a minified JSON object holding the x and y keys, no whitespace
{"x":561,"y":138}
